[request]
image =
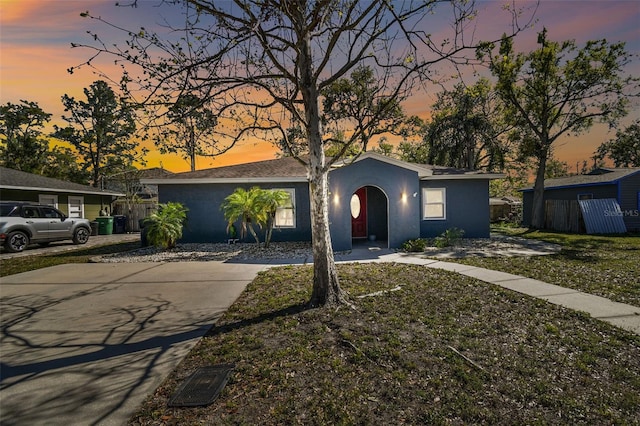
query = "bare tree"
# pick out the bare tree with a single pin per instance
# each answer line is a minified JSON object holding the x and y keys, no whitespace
{"x":268,"y":62}
{"x":560,"y":89}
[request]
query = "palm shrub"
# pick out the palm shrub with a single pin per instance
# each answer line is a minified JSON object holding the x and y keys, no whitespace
{"x":256,"y":206}
{"x":268,"y":202}
{"x":245,"y":206}
{"x":164,"y":227}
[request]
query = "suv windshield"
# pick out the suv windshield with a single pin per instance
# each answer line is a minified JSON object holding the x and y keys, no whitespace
{"x":8,"y":210}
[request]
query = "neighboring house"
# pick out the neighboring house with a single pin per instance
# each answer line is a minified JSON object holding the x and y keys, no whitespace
{"x":73,"y":199}
{"x":130,"y":182}
{"x":504,"y":208}
{"x":141,"y":199}
{"x":620,"y":184}
{"x":374,"y":197}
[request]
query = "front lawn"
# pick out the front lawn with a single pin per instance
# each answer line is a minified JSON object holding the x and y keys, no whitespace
{"x":441,"y":349}
{"x":607,"y":266}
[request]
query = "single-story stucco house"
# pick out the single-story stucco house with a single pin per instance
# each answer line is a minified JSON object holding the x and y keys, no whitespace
{"x":620,"y":184}
{"x":73,"y":199}
{"x":371,"y":197}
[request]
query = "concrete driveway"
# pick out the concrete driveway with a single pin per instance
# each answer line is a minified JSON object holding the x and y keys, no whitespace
{"x":85,"y":344}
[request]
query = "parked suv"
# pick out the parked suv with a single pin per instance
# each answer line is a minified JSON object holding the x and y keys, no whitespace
{"x":23,"y":223}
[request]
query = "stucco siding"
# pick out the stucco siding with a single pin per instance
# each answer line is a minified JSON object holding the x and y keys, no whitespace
{"x":467,"y":208}
{"x":205,"y":220}
{"x":392,"y":181}
{"x":629,"y":199}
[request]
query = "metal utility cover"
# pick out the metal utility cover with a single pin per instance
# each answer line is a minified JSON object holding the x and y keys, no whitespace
{"x":202,"y":387}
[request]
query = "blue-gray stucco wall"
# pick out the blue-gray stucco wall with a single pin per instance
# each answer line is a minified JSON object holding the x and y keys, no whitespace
{"x":467,"y":208}
{"x":206,"y":223}
{"x":392,"y":182}
{"x":394,"y":207}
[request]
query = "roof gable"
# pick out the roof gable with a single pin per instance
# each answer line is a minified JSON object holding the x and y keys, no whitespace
{"x":16,"y":179}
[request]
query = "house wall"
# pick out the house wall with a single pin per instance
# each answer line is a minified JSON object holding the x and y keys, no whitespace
{"x":205,"y":220}
{"x":467,"y":208}
{"x":629,"y":199}
{"x":92,"y":203}
{"x":392,"y":181}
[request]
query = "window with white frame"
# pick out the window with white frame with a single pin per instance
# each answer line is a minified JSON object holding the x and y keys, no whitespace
{"x":285,"y":214}
{"x":434,"y":203}
{"x":76,"y":207}
{"x":49,"y":200}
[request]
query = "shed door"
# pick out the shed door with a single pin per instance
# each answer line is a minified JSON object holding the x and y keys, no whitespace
{"x":359,"y":214}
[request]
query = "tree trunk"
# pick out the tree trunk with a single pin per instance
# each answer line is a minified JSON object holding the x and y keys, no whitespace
{"x":537,"y":214}
{"x":326,"y":286}
{"x":192,"y":150}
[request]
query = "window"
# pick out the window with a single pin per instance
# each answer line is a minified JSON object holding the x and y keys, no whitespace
{"x":585,"y":196}
{"x":434,"y":203}
{"x":76,"y":207}
{"x":30,"y":212}
{"x":50,"y":213}
{"x":285,"y":215}
{"x":49,"y":200}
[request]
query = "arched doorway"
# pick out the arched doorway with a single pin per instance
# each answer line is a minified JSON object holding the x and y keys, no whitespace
{"x":369,"y":216}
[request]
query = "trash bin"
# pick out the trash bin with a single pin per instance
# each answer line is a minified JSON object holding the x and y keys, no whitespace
{"x":105,"y":225}
{"x":94,"y":228}
{"x":119,"y":224}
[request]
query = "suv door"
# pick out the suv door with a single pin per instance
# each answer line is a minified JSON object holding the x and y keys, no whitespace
{"x":58,"y":227}
{"x":39,"y":225}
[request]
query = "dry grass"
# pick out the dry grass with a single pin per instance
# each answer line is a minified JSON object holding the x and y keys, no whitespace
{"x":607,"y":266}
{"x":443,"y":349}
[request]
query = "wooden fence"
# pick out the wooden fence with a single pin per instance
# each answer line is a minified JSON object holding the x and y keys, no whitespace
{"x":134,"y":214}
{"x":563,"y":216}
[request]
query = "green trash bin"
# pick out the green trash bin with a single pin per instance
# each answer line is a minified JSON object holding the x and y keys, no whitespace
{"x":105,"y":225}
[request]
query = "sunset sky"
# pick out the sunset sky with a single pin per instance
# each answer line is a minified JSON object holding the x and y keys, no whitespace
{"x":36,"y":37}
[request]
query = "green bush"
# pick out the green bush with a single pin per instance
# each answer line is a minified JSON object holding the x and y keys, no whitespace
{"x":448,"y":238}
{"x":415,"y":245}
{"x":164,"y":227}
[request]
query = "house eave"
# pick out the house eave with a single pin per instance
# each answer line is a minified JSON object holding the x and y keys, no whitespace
{"x":575,"y":185}
{"x":70,"y":191}
{"x":486,"y":176}
{"x":204,"y":181}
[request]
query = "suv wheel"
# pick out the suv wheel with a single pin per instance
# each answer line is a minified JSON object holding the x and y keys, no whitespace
{"x":16,"y":241}
{"x":81,"y":235}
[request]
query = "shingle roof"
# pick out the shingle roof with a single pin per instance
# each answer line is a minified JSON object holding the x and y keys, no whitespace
{"x":16,"y":179}
{"x":285,"y":167}
{"x":605,"y":176}
{"x":290,"y":169}
{"x":155,"y":172}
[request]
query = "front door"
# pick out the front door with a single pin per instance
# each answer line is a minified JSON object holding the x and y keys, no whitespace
{"x":359,"y":214}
